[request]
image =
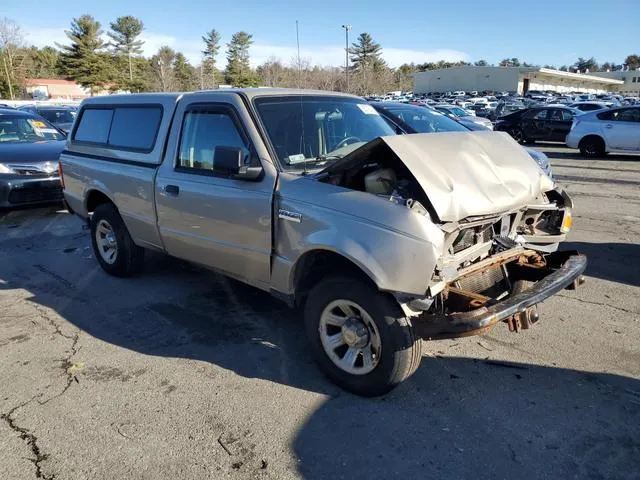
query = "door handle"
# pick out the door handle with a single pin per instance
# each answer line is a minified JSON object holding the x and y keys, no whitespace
{"x":608,"y":125}
{"x":172,"y":190}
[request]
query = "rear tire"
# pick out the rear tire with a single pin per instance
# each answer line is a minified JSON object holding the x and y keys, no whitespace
{"x":393,"y":353}
{"x":592,"y":147}
{"x":112,"y":245}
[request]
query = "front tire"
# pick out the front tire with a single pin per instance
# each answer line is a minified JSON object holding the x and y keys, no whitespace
{"x":112,"y":245}
{"x":360,"y":337}
{"x":517,"y":134}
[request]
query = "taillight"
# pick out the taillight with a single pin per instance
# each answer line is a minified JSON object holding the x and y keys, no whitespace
{"x":60,"y":174}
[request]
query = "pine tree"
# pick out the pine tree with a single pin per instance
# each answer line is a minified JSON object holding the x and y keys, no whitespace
{"x":239,"y":73}
{"x":366,"y":54}
{"x":124,"y":33}
{"x":45,"y":62}
{"x":184,"y":74}
{"x":84,"y":60}
{"x":211,"y":48}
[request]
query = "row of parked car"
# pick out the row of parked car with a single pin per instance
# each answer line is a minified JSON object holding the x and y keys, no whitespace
{"x":61,"y":116}
{"x":594,"y":133}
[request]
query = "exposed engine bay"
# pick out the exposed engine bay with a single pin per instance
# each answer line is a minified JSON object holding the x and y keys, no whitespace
{"x":387,"y":178}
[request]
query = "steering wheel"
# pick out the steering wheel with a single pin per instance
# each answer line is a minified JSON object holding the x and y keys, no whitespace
{"x":346,"y":141}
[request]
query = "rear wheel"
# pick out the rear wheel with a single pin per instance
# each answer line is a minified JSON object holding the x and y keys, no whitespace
{"x":592,"y":147}
{"x":360,"y":337}
{"x":112,"y":245}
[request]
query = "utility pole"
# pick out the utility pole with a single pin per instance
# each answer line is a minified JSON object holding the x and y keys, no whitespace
{"x":346,"y":53}
{"x":299,"y":65}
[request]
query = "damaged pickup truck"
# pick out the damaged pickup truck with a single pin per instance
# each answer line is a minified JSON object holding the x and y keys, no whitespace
{"x":382,"y":240}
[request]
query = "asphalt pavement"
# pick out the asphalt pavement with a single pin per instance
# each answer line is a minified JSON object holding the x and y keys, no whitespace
{"x":180,"y":373}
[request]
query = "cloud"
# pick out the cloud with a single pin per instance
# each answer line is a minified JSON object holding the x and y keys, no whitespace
{"x":334,"y":55}
{"x":325,"y":55}
{"x":43,"y":37}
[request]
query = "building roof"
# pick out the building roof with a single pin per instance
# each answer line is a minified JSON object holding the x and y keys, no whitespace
{"x":579,"y":76}
{"x":49,"y":81}
{"x":584,"y":77}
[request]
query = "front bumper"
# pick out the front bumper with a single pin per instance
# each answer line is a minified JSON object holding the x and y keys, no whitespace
{"x":565,"y":271}
{"x":22,"y":190}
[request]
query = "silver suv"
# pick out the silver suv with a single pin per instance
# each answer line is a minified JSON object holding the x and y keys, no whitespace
{"x":381,"y":239}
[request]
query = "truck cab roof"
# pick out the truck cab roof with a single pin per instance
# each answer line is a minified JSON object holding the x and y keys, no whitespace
{"x":172,"y":97}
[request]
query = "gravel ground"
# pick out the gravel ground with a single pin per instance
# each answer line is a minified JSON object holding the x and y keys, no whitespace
{"x":181,"y":373}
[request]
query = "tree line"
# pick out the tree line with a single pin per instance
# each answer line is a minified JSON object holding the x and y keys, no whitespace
{"x":114,"y":62}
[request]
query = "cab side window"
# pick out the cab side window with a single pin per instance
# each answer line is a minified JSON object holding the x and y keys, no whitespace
{"x":202,"y":132}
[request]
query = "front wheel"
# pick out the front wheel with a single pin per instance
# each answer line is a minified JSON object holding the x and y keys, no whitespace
{"x":360,"y":337}
{"x":112,"y":245}
{"x":517,"y":134}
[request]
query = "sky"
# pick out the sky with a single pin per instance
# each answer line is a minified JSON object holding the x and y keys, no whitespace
{"x":540,"y":32}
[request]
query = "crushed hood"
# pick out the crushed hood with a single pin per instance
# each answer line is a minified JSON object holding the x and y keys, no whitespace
{"x":463,"y":174}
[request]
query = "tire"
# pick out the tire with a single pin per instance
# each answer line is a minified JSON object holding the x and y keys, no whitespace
{"x":399,"y":352}
{"x":517,"y":134}
{"x":592,"y":147}
{"x":127,"y":258}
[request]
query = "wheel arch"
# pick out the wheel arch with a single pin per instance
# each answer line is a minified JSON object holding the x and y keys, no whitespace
{"x":94,"y":198}
{"x":593,"y":136}
{"x":318,"y":263}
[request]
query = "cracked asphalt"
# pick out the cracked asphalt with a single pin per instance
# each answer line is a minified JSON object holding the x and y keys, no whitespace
{"x":180,"y":373}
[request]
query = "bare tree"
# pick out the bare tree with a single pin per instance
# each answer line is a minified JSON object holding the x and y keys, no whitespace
{"x":162,"y":65}
{"x":11,"y":41}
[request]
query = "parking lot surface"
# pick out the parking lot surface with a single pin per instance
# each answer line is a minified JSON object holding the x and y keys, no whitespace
{"x":180,"y":373}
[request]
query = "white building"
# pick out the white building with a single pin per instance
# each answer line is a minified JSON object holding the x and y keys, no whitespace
{"x":630,"y":81}
{"x":506,"y":79}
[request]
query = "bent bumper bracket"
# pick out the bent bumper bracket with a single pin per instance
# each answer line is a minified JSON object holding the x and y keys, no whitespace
{"x":568,"y":275}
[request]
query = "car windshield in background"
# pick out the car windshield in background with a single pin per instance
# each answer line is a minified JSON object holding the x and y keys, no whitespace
{"x":27,"y":130}
{"x":308,"y":130}
{"x":57,"y":116}
{"x":423,"y":120}
{"x":459,"y":112}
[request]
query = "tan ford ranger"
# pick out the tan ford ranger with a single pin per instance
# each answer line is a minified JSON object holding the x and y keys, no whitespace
{"x":382,"y":240}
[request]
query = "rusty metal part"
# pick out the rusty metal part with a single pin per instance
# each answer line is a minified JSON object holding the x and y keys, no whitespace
{"x":474,"y":300}
{"x":564,"y":269}
{"x":497,"y":259}
{"x":535,"y":260}
{"x":523,"y":320}
{"x":577,"y":282}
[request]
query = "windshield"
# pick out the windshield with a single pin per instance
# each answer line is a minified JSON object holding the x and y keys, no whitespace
{"x":308,"y":130}
{"x":57,"y":116}
{"x":458,"y":112}
{"x":423,"y":120}
{"x":27,"y":130}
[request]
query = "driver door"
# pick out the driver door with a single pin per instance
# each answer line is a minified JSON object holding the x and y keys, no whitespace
{"x":213,"y":220}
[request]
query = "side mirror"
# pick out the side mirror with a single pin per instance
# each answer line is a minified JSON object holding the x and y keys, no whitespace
{"x":229,"y":161}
